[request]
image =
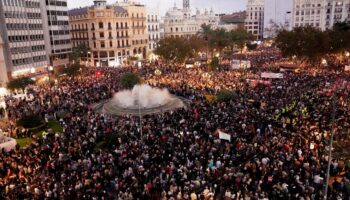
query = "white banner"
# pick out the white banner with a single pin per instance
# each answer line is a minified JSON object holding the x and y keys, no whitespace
{"x":7,"y":143}
{"x":224,"y":136}
{"x":240,"y":64}
{"x":347,"y":68}
{"x":271,"y":75}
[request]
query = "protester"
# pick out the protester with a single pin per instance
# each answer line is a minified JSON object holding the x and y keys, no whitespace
{"x":278,"y":148}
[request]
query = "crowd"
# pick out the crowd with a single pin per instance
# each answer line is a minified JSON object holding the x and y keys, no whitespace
{"x":278,"y":148}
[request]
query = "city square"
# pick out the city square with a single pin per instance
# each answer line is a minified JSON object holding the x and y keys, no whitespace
{"x":119,"y":100}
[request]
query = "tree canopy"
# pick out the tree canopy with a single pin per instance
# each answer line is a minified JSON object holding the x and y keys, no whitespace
{"x":129,"y":80}
{"x":77,"y":52}
{"x":20,"y":83}
{"x":71,"y":70}
{"x":311,"y":44}
{"x":178,"y":49}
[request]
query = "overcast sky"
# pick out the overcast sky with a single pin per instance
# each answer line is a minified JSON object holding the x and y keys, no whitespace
{"x":219,"y":6}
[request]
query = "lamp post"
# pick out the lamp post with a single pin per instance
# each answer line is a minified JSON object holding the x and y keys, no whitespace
{"x":330,"y":144}
{"x":49,"y":70}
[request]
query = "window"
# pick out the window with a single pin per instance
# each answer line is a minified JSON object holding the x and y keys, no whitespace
{"x":100,"y":25}
{"x":102,"y":34}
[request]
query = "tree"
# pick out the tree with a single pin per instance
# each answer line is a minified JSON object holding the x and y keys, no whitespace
{"x":239,"y":38}
{"x":339,"y":37}
{"x":20,"y":83}
{"x":78,"y":52}
{"x":225,"y":96}
{"x":129,"y":80}
{"x":214,"y":64}
{"x":174,"y":49}
{"x":306,"y":43}
{"x":71,"y":70}
{"x":30,"y":121}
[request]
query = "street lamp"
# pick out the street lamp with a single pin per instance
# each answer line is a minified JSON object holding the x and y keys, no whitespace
{"x":49,"y":70}
{"x":32,"y":70}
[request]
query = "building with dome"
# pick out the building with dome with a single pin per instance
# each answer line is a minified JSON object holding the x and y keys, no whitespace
{"x":181,"y":23}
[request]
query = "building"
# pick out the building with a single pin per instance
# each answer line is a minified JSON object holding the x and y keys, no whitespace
{"x":56,"y":31}
{"x":308,"y":13}
{"x":153,"y":26}
{"x":232,"y":21}
{"x":21,"y":29}
{"x":322,"y":14}
{"x":277,"y":15}
{"x":112,"y":32}
{"x":254,"y":22}
{"x":335,"y":11}
{"x":3,"y":70}
{"x":181,"y":23}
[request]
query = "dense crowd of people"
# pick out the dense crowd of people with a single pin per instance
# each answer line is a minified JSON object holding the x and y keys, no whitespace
{"x":278,"y":149}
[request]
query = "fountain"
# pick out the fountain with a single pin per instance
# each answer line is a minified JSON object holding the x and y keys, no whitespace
{"x":141,"y":100}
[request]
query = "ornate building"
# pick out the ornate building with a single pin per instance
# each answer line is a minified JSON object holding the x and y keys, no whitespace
{"x":180,"y":23}
{"x":112,"y":32}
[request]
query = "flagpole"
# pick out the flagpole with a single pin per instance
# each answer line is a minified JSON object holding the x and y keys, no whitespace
{"x":330,"y":145}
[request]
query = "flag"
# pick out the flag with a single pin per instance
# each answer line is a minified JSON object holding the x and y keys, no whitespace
{"x":224,"y":136}
{"x":196,"y":115}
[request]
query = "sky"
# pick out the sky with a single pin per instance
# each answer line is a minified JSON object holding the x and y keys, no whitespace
{"x":219,"y":6}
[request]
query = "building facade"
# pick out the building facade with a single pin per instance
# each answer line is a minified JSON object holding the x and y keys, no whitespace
{"x":153,"y":26}
{"x":3,"y":70}
{"x":277,"y":15}
{"x":21,"y":29}
{"x":336,"y":11}
{"x":181,"y":23}
{"x":112,"y":32}
{"x":308,"y":13}
{"x":254,"y":22}
{"x":321,"y":14}
{"x":56,"y":31}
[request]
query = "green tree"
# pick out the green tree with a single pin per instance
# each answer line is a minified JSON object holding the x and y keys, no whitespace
{"x":214,"y":64}
{"x":70,"y":70}
{"x":20,"y":83}
{"x":78,"y":52}
{"x":225,"y":96}
{"x":306,"y":43}
{"x":129,"y":80}
{"x":339,"y":37}
{"x":239,"y":38}
{"x":30,"y":121}
{"x":174,"y":49}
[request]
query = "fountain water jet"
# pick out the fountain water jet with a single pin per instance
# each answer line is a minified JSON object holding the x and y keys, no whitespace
{"x":142,"y":99}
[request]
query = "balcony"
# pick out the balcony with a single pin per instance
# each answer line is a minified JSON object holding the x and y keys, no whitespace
{"x":138,"y":18}
{"x":122,"y":28}
{"x":139,"y":27}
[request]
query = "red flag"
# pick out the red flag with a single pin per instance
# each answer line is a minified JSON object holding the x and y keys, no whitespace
{"x":196,"y":115}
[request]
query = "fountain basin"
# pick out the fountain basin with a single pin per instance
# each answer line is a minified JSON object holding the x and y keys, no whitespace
{"x":141,"y":100}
